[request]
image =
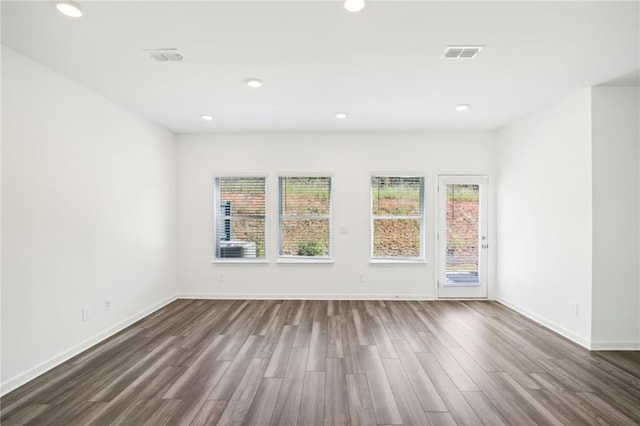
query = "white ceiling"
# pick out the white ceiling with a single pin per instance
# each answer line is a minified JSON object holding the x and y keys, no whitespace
{"x":382,"y":66}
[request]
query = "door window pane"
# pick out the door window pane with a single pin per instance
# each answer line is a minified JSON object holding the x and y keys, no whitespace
{"x":462,"y":233}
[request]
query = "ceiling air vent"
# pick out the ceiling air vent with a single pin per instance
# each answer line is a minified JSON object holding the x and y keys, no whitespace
{"x":165,"y":55}
{"x":462,"y":52}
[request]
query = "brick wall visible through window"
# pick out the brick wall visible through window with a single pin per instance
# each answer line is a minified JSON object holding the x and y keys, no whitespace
{"x":397,"y":217}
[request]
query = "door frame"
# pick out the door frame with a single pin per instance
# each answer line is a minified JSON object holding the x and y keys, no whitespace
{"x":461,"y":291}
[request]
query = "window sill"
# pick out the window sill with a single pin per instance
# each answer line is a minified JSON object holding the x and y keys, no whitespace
{"x":398,"y":261}
{"x":294,"y":260}
{"x":242,"y":260}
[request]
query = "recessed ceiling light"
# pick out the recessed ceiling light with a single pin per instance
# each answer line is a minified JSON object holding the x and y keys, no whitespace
{"x":462,"y":107}
{"x":206,"y":117}
{"x":341,"y":115}
{"x":254,"y":83}
{"x":69,"y":8}
{"x":354,"y":5}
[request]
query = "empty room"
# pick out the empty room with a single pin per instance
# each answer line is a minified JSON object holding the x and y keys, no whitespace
{"x":320,"y":212}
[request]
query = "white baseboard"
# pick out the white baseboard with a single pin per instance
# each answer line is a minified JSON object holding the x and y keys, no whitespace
{"x":58,"y":359}
{"x":586,"y":343}
{"x":293,"y":296}
{"x":615,"y":346}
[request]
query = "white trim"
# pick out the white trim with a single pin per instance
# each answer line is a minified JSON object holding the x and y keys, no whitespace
{"x":303,"y":296}
{"x":462,"y":285}
{"x":464,"y":299}
{"x":304,"y":216}
{"x":615,"y":346}
{"x":303,"y":259}
{"x":241,"y":260}
{"x":239,"y":175}
{"x":54,"y":361}
{"x":586,"y":343}
{"x":392,"y":261}
{"x":410,"y":217}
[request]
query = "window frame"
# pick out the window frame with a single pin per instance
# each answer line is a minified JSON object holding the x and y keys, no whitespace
{"x":217,"y":216}
{"x":305,"y":259}
{"x":421,"y":258}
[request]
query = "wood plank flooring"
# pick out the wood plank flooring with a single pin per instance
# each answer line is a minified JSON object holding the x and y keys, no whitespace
{"x":232,"y":362}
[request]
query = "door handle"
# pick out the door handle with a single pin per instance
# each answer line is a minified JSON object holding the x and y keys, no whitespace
{"x":485,"y":246}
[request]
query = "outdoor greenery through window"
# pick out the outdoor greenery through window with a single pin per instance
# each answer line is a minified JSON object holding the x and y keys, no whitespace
{"x":397,"y":212}
{"x":305,"y":216}
{"x":240,"y":217}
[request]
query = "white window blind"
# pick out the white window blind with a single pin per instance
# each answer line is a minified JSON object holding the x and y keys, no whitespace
{"x":305,"y":216}
{"x":397,"y":215}
{"x":240,"y":217}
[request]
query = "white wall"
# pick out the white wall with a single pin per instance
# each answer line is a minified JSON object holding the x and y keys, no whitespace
{"x":544,"y":215}
{"x":615,"y":138}
{"x":350,"y":159}
{"x":88,"y":199}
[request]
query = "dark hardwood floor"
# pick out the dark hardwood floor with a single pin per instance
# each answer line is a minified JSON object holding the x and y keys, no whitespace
{"x":198,"y":362}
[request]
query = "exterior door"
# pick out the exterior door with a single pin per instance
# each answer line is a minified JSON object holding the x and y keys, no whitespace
{"x":462,"y":236}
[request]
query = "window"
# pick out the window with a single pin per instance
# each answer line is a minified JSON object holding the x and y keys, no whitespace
{"x":240,"y":217}
{"x":397,"y":216}
{"x":305,"y":217}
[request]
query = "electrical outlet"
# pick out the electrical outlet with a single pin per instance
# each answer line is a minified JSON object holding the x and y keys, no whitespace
{"x":85,"y":314}
{"x":107,"y":305}
{"x":361,"y":277}
{"x":220,"y":277}
{"x":573,"y":308}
